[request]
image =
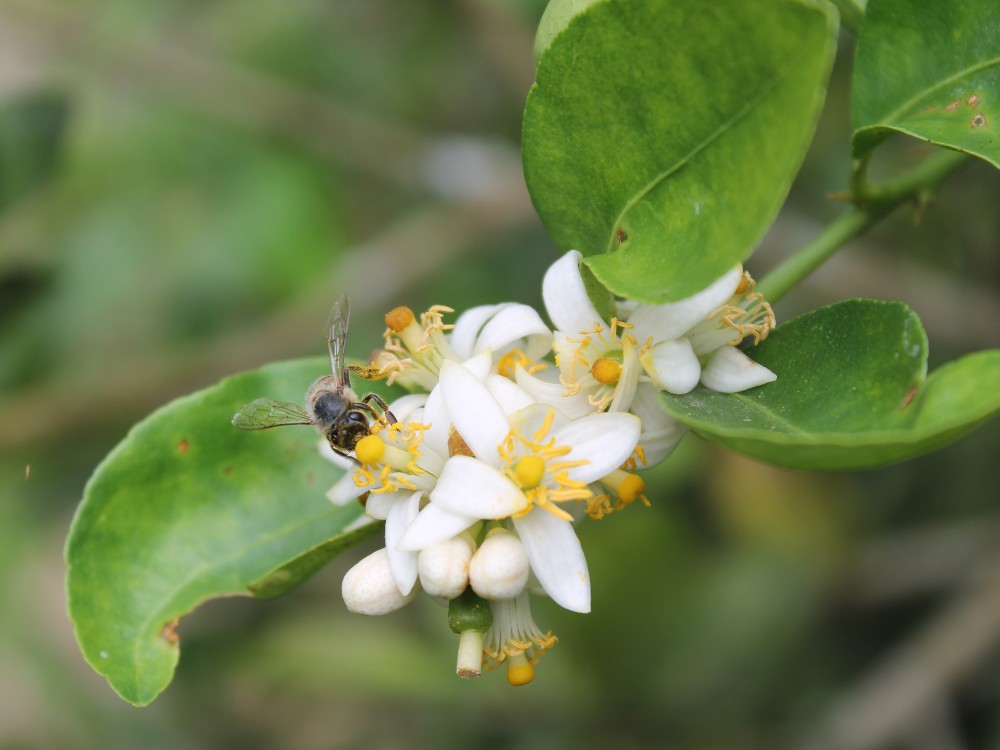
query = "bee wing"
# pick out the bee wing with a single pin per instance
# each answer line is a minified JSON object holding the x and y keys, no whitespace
{"x":336,"y":341}
{"x":266,"y":412}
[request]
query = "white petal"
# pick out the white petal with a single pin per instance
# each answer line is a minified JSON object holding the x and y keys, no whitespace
{"x":512,"y":323}
{"x":628,"y":378}
{"x":573,"y":406}
{"x":341,"y":462}
{"x":661,"y":433}
{"x":369,"y":588}
{"x":480,"y":364}
{"x":403,"y":563}
{"x":404,"y":407}
{"x":730,"y":370}
{"x":467,"y":327}
{"x":345,"y":490}
{"x":469,"y":487}
{"x":604,"y":441}
{"x":476,"y":415}
{"x":556,"y":558}
{"x":674,"y":319}
{"x":507,"y":393}
{"x":531,"y":420}
{"x":566,"y":300}
{"x":433,"y":525}
{"x":673,"y":365}
{"x":379,"y":504}
{"x":436,"y":415}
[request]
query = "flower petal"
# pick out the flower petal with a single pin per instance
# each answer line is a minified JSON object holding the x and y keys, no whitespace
{"x":507,"y":393}
{"x":476,"y":415}
{"x":404,"y":407}
{"x":512,"y":323}
{"x":403,"y":563}
{"x":674,"y":319}
{"x":628,"y":379}
{"x":341,"y":462}
{"x":730,"y":370}
{"x":673,"y":365}
{"x":433,"y":525}
{"x":463,"y":336}
{"x":480,"y":364}
{"x":345,"y":490}
{"x":604,"y":441}
{"x":566,"y":300}
{"x":573,"y":406}
{"x":470,"y":487}
{"x":661,"y":433}
{"x":556,"y":558}
{"x":436,"y":415}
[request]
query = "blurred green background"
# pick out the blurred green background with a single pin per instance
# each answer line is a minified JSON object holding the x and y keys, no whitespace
{"x":185,"y":187}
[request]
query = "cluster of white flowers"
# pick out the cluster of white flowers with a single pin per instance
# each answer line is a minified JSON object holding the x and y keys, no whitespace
{"x":490,"y":464}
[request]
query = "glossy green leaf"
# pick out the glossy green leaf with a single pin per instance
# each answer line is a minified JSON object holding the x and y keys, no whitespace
{"x":661,"y":136}
{"x":851,"y":392}
{"x":929,"y":68}
{"x":187,"y":508}
{"x":31,"y":129}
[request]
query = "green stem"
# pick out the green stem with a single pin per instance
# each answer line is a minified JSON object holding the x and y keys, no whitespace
{"x":877,"y":202}
{"x":852,"y":13}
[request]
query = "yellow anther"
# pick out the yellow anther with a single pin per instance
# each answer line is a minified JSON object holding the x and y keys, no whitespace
{"x":519,"y":670}
{"x":399,"y":318}
{"x":370,"y":450}
{"x":631,"y":488}
{"x":606,"y":370}
{"x":457,"y":445}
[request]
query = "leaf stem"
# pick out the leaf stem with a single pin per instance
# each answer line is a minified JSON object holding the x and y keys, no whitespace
{"x":876,"y":202}
{"x":852,"y":13}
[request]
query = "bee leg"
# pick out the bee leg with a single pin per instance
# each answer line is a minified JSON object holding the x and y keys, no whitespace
{"x":381,"y":404}
{"x":342,"y":452}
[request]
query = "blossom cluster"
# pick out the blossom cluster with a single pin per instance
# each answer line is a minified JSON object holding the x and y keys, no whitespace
{"x":497,"y":454}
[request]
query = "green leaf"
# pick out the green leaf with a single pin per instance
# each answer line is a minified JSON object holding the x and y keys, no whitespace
{"x":929,"y":68}
{"x":661,"y":137}
{"x":187,"y":508}
{"x":850,"y":392}
{"x":31,"y":129}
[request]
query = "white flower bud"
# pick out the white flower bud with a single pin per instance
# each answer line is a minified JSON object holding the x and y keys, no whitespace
{"x":444,"y":567}
{"x":369,"y":588}
{"x":499,"y":569}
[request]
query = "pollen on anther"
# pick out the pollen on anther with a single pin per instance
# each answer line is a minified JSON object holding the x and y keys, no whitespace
{"x":399,"y":318}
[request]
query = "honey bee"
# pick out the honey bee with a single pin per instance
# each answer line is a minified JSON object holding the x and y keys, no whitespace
{"x":332,"y":406}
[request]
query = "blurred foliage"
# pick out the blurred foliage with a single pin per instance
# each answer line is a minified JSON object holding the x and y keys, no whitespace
{"x":226,"y":170}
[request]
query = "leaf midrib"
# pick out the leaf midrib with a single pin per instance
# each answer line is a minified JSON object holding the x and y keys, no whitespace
{"x":715,"y":135}
{"x":944,"y":82}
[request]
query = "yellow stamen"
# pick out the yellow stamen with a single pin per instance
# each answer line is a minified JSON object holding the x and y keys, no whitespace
{"x":631,"y":488}
{"x":530,"y":470}
{"x":457,"y":445}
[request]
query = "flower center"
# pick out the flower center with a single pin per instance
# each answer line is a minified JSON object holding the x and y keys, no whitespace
{"x":390,"y":463}
{"x":370,"y":449}
{"x":399,"y":318}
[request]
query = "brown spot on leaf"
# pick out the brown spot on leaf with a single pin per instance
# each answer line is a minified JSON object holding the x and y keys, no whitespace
{"x":310,"y":479}
{"x":973,"y":101}
{"x":952,"y":106}
{"x":908,"y":398}
{"x":622,"y":236}
{"x":227,"y":470}
{"x":182,"y":446}
{"x":169,"y":632}
{"x":978,"y":121}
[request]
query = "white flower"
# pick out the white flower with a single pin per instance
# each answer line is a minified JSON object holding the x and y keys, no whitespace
{"x":620,"y":365}
{"x":508,"y":333}
{"x":522,"y":466}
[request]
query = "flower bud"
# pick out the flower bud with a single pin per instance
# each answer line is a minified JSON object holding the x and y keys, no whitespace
{"x":444,"y":567}
{"x":499,"y":569}
{"x":369,"y":588}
